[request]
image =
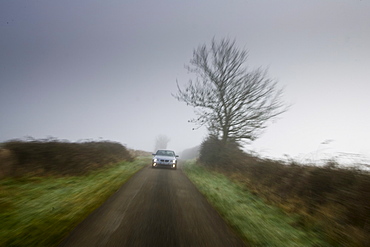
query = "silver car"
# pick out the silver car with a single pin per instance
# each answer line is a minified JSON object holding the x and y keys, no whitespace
{"x":165,"y":158}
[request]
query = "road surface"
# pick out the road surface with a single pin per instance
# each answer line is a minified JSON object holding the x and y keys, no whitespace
{"x":156,"y":207}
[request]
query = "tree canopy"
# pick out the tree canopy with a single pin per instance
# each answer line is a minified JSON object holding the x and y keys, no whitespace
{"x":161,"y":142}
{"x":231,"y":100}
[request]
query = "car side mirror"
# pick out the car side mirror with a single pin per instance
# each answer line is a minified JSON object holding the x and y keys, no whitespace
{"x":153,"y":154}
{"x":176,"y":156}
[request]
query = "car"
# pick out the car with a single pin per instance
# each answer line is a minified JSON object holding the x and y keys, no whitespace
{"x":164,"y":158}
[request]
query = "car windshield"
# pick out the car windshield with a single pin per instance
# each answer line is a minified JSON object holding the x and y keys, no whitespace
{"x":165,"y":153}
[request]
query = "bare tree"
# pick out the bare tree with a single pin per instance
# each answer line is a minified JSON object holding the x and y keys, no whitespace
{"x":161,"y":142}
{"x":231,"y":100}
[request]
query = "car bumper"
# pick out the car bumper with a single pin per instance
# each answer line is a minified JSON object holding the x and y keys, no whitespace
{"x":164,"y":164}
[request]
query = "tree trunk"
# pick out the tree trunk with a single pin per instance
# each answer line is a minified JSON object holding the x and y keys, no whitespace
{"x":225,"y":136}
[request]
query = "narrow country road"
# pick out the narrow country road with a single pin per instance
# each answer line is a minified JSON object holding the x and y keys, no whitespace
{"x":156,"y":207}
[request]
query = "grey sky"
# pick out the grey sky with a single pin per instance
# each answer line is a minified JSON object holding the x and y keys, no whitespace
{"x":90,"y":69}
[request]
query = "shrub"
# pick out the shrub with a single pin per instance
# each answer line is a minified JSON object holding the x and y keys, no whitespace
{"x":64,"y":158}
{"x":213,"y":152}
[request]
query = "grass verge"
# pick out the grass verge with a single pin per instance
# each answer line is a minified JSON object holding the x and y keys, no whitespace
{"x":41,"y":211}
{"x":257,"y":223}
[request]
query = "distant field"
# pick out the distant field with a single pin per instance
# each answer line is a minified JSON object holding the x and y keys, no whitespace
{"x":40,"y":211}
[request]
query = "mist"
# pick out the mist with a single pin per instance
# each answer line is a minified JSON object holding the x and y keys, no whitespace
{"x":106,"y":71}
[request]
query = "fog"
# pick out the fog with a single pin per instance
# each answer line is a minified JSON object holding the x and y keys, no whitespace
{"x":107,"y":69}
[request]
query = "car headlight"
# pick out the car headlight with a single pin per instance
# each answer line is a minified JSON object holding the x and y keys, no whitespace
{"x":154,"y":160}
{"x":174,"y":161}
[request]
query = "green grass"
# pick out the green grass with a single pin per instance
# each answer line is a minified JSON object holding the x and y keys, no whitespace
{"x":41,"y":211}
{"x":257,"y":223}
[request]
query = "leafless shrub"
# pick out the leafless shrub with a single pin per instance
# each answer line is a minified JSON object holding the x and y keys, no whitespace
{"x":51,"y":156}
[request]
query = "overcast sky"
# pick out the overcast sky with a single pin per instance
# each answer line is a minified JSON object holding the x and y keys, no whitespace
{"x":106,"y":70}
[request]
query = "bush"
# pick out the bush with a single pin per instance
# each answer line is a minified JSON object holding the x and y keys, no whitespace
{"x":63,"y":158}
{"x":213,"y":152}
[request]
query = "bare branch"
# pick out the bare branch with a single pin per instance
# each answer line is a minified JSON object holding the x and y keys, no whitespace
{"x":232,"y":101}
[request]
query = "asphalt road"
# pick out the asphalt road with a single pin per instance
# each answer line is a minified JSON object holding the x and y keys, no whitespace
{"x":156,"y":207}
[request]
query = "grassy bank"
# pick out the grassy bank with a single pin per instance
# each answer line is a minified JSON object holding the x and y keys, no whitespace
{"x":336,"y":198}
{"x":259,"y":224}
{"x":40,"y":211}
{"x":332,"y":199}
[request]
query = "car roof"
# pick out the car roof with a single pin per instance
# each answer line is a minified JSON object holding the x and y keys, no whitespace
{"x":165,"y":151}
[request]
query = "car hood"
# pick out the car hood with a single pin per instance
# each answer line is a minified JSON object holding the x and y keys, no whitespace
{"x":163,"y":157}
